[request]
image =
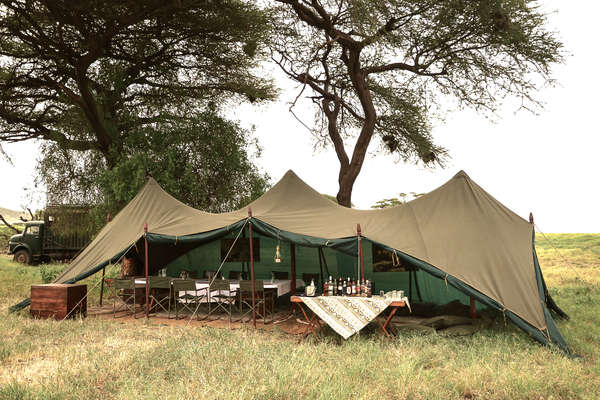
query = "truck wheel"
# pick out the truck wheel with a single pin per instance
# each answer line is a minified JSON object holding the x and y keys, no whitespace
{"x":22,"y":256}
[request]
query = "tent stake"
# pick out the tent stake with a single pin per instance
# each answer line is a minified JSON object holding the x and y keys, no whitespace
{"x":146,"y":270}
{"x":252,"y":269}
{"x":360,"y":252}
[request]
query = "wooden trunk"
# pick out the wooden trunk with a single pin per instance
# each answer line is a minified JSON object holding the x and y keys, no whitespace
{"x":57,"y":300}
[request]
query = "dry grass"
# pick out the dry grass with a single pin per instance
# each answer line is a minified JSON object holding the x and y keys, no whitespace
{"x":97,"y":358}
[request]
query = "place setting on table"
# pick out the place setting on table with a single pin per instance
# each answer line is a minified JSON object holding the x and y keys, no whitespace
{"x":347,"y":306}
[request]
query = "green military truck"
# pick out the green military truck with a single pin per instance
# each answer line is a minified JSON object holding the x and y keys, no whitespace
{"x":61,"y":233}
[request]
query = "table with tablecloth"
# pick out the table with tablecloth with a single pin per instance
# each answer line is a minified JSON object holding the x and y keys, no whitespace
{"x":348,"y":315}
{"x":281,"y":286}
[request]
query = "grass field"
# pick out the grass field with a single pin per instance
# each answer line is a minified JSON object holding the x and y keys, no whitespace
{"x":98,"y":358}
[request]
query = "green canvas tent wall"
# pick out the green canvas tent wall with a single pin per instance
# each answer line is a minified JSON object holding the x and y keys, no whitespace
{"x":457,"y":233}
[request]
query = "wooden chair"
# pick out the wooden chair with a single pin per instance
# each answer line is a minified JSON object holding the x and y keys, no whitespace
{"x":262,"y":300}
{"x":187,"y":295}
{"x":124,"y":294}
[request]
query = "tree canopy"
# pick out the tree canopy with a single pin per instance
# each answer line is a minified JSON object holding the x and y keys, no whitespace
{"x":379,"y":68}
{"x":103,"y":84}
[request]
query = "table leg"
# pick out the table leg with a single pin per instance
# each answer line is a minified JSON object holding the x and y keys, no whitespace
{"x":312,"y":323}
{"x":386,"y":324}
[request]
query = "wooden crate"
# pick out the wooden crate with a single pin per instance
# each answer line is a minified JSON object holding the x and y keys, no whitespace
{"x":57,"y":300}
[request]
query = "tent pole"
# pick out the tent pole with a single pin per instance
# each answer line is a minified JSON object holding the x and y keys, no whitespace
{"x":252,"y":269}
{"x":293,"y":265}
{"x":320,"y":284}
{"x":102,"y":285}
{"x":360,"y":253}
{"x":322,"y":255}
{"x":146,"y":270}
{"x":473,"y":308}
{"x":103,"y":269}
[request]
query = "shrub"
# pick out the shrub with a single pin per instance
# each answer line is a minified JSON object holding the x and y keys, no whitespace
{"x":49,"y":272}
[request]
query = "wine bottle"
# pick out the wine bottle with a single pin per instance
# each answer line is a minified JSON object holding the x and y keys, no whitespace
{"x":348,"y":288}
{"x":330,"y":287}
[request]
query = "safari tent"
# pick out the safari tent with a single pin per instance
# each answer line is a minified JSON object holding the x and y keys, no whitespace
{"x":460,"y":242}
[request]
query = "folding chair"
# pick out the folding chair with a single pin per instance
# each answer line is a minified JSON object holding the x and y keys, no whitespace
{"x":220,"y":294}
{"x":260,"y":299}
{"x":157,"y":298}
{"x":124,"y":292}
{"x":186,"y":295}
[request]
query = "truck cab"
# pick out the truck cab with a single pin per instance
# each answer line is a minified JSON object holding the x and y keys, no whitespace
{"x":27,"y":247}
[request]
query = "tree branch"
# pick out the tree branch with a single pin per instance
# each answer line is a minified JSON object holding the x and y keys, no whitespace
{"x":9,"y":225}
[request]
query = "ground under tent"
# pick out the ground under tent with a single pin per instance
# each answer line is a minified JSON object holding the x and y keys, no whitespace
{"x":461,"y":241}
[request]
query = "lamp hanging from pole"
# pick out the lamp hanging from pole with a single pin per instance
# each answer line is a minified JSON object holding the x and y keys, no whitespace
{"x":278,"y":250}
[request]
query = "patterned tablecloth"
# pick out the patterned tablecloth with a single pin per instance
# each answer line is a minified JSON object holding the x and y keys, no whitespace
{"x":348,"y":315}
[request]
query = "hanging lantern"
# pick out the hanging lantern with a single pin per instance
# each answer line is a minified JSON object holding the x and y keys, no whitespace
{"x":278,"y":250}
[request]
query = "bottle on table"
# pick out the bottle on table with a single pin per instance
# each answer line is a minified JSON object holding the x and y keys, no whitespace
{"x":353,"y":293}
{"x":348,"y":288}
{"x":330,"y":287}
{"x":334,"y":285}
{"x":344,"y":287}
{"x":325,"y":289}
{"x":340,"y":287}
{"x":369,"y":288}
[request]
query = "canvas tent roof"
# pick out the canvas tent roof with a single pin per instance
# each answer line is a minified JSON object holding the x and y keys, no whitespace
{"x":457,"y":231}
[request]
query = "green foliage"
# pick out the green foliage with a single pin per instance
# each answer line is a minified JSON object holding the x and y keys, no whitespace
{"x":205,"y":162}
{"x":5,"y":234}
{"x":49,"y":272}
{"x":396,"y":201}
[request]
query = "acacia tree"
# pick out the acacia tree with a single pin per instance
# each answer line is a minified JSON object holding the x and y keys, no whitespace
{"x":380,"y":67}
{"x":95,"y":81}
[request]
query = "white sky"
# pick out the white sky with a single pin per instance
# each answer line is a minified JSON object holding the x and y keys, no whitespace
{"x":543,"y":163}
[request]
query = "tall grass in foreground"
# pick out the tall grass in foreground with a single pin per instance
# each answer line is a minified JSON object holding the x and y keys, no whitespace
{"x":97,"y":358}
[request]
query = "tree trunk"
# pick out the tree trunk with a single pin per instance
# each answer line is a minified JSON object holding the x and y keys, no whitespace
{"x":349,"y":172}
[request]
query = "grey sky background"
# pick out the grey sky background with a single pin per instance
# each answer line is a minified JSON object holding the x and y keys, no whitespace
{"x":546,"y":163}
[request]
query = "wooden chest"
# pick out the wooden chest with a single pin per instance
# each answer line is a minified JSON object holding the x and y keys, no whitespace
{"x":56,"y":300}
